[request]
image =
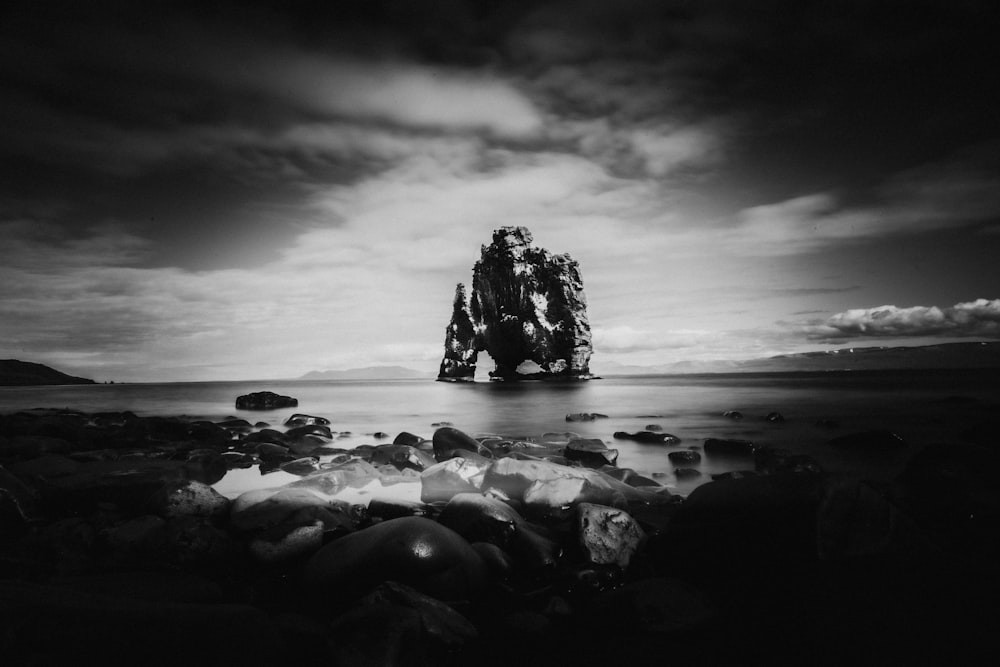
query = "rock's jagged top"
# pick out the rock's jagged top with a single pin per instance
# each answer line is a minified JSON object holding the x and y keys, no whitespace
{"x":525,"y":305}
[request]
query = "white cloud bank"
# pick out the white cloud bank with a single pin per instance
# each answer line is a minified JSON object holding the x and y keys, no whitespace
{"x":979,"y":318}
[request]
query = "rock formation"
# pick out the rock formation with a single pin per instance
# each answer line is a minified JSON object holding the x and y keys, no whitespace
{"x":526,"y":305}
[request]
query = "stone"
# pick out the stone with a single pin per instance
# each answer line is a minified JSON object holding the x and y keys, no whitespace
{"x":870,"y":441}
{"x":406,"y":438}
{"x":652,"y":427}
{"x":297,"y":420}
{"x":442,"y":481}
{"x":655,"y":606}
{"x":303,"y":466}
{"x":684,"y":456}
{"x":590,"y":452}
{"x":584,"y":416}
{"x":287,"y":545}
{"x":449,"y":442}
{"x":478,"y":518}
{"x":402,"y":457}
{"x":261,"y":509}
{"x":441,"y":623}
{"x":686,"y":473}
{"x":648,"y":437}
{"x":525,"y":306}
{"x":265,"y":400}
{"x":774,"y":417}
{"x":191,"y":499}
{"x":726,"y":447}
{"x":379,"y":635}
{"x":415,"y":551}
{"x":733,"y":414}
{"x":607,"y":535}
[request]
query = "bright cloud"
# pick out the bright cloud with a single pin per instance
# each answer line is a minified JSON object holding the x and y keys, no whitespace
{"x":979,"y":318}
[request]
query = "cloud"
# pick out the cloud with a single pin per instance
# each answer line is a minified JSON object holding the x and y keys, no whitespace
{"x":979,"y":318}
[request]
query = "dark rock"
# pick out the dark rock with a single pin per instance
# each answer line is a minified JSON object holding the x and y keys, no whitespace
{"x":648,"y":437}
{"x":591,"y":453}
{"x":305,"y":420}
{"x":827,"y":423}
{"x":481,"y":519}
{"x":405,"y":438}
{"x":525,"y":305}
{"x":733,"y":414}
{"x":380,"y":435}
{"x":684,"y":456}
{"x":768,"y":460}
{"x":288,"y":543}
{"x":724,"y":447}
{"x":232,"y":425}
{"x":320,"y":430}
{"x":17,"y":501}
{"x":265,"y":400}
{"x":607,"y":535}
{"x":584,"y":416}
{"x":733,"y":474}
{"x":379,"y":635}
{"x":301,"y":466}
{"x":658,"y":606}
{"x":194,"y":540}
{"x":653,"y":427}
{"x":191,"y":498}
{"x":442,"y":624}
{"x":267,"y":435}
{"x":872,"y":441}
{"x":774,"y":417}
{"x":741,"y":527}
{"x":686,"y":473}
{"x":449,"y":442}
{"x":412,"y":550}
{"x":402,"y":457}
{"x":394,"y":509}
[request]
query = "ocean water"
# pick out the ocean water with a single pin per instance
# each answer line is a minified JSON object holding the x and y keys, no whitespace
{"x":922,"y":407}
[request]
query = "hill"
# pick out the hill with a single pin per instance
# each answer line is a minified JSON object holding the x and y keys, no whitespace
{"x":367,"y":373}
{"x":14,"y":373}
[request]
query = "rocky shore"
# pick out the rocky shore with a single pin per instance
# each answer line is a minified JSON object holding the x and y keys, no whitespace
{"x":486,"y":550}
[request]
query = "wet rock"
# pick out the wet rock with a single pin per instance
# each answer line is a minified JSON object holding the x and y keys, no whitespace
{"x":271,"y":452}
{"x":449,"y":442}
{"x":733,"y":474}
{"x":265,"y":400}
{"x":592,"y":453}
{"x":653,"y":427}
{"x":194,"y":540}
{"x":774,"y":417}
{"x":412,"y":550}
{"x":740,"y":528}
{"x":481,"y":519}
{"x":685,"y":456}
{"x":656,"y":606}
{"x":733,"y":414}
{"x":607,"y":535}
{"x":584,"y":416}
{"x":239,"y":460}
{"x":686,"y":473}
{"x":871,"y":441}
{"x":725,"y":447}
{"x":402,"y":457}
{"x":441,"y":623}
{"x":285,"y":544}
{"x":190,"y":498}
{"x":320,"y":430}
{"x":380,"y":435}
{"x":301,"y":466}
{"x":231,"y":425}
{"x":141,"y":631}
{"x":406,"y":438}
{"x":768,"y":460}
{"x":648,"y":437}
{"x":297,"y":420}
{"x":267,"y":435}
{"x":332,"y":478}
{"x":261,"y":509}
{"x":628,"y":476}
{"x":394,"y":509}
{"x":442,"y":481}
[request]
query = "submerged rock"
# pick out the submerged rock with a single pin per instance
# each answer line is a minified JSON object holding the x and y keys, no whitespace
{"x":525,"y":306}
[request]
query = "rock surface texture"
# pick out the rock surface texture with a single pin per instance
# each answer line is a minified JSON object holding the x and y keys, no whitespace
{"x":526,"y":305}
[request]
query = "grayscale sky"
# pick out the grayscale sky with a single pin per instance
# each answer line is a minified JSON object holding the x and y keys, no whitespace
{"x":208,"y":191}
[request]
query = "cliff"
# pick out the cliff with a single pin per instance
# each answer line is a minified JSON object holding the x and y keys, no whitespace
{"x":525,"y":305}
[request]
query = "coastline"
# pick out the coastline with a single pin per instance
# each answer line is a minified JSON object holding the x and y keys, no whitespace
{"x":535,"y":544}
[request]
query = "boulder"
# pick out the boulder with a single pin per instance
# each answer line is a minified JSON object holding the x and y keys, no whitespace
{"x":415,"y":551}
{"x":592,"y":453}
{"x":442,"y":481}
{"x":607,"y":535}
{"x":449,"y":442}
{"x":684,"y":456}
{"x":265,"y":400}
{"x":190,"y":498}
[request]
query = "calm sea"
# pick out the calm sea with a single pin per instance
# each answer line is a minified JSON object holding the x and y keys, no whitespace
{"x":922,"y":407}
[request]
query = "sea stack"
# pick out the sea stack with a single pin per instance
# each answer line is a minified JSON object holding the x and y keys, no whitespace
{"x":526,"y":305}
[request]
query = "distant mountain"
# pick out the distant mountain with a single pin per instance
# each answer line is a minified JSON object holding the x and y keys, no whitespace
{"x":14,"y":373}
{"x":367,"y":373}
{"x":945,"y":355}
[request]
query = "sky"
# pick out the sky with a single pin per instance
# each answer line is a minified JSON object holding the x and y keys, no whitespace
{"x":258,"y":190}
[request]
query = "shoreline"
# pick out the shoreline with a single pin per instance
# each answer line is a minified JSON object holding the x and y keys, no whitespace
{"x":532,"y":547}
